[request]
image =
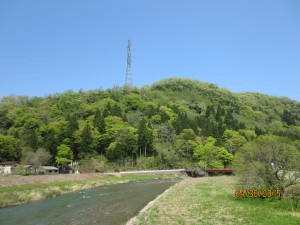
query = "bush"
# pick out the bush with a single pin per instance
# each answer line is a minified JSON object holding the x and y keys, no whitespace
{"x":269,"y":162}
{"x":21,"y":170}
{"x":94,"y":164}
{"x":143,"y":163}
{"x":293,"y":193}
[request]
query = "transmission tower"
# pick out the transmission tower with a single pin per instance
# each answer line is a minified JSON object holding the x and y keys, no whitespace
{"x":128,"y":76}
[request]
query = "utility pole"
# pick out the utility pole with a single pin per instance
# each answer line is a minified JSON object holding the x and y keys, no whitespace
{"x":128,"y":76}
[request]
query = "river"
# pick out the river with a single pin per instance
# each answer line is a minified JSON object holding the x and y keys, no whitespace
{"x":111,"y":204}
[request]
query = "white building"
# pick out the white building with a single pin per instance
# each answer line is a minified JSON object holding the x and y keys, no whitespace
{"x":7,"y":167}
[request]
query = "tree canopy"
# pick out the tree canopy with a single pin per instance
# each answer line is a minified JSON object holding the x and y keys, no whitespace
{"x":176,"y":122}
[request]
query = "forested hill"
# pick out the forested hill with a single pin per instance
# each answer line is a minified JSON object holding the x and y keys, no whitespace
{"x":168,"y":123}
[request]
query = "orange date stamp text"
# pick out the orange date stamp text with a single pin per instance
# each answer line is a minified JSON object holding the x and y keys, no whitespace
{"x":254,"y":193}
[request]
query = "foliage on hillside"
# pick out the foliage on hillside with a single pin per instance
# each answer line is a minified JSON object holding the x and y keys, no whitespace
{"x":172,"y":123}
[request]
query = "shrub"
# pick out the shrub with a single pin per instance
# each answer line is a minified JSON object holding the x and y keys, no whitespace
{"x":143,"y":163}
{"x":94,"y":164}
{"x":293,"y":193}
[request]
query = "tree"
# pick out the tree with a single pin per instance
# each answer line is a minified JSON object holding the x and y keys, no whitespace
{"x":248,"y":134}
{"x":183,"y":122}
{"x":99,"y":122}
{"x":145,"y":138}
{"x":50,"y":139}
{"x":9,"y":148}
{"x":258,"y":131}
{"x":86,"y":140}
{"x":116,"y":111}
{"x":132,"y":101}
{"x":105,"y":112}
{"x":31,"y":137}
{"x":64,"y":155}
{"x":212,"y":156}
{"x":166,"y":134}
{"x":210,"y":110}
{"x":231,"y":122}
{"x":35,"y":158}
{"x":288,"y":117}
{"x":219,"y":114}
{"x":269,"y":162}
{"x":150,"y":109}
{"x":125,"y":145}
{"x":233,"y":140}
{"x":187,"y":142}
{"x":72,"y":125}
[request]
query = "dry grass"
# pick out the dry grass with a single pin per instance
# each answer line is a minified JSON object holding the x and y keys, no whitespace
{"x":44,"y":179}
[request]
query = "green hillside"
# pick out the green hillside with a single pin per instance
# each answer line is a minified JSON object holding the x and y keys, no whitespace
{"x":168,"y":124}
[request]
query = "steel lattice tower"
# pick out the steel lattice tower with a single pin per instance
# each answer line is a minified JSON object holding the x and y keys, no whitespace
{"x":128,"y":76}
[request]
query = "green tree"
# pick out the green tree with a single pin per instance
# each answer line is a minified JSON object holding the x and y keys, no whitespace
{"x":220,"y":113}
{"x":248,"y":134}
{"x":145,"y":138}
{"x":31,"y":126}
{"x":105,"y":112}
{"x":50,"y":140}
{"x":288,"y":117}
{"x":258,"y":131}
{"x":210,"y":110}
{"x":9,"y":148}
{"x":269,"y":162}
{"x":187,"y":142}
{"x":113,"y":125}
{"x":64,"y":155}
{"x":86,"y":141}
{"x":116,"y":111}
{"x":233,"y":140}
{"x":99,"y":122}
{"x":132,"y":101}
{"x":212,"y":156}
{"x":72,"y":125}
{"x":166,"y":134}
{"x":125,"y":145}
{"x":230,"y":122}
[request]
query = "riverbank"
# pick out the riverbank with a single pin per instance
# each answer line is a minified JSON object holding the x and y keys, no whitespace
{"x":212,"y":200}
{"x":16,"y":180}
{"x":18,"y":190}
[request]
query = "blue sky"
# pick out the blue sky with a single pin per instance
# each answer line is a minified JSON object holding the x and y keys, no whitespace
{"x":52,"y":46}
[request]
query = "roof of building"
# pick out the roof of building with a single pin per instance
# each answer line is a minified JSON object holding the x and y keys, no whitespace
{"x":49,"y":168}
{"x":8,"y":163}
{"x":28,"y":166}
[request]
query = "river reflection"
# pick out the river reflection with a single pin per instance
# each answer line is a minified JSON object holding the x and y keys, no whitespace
{"x":112,"y":204}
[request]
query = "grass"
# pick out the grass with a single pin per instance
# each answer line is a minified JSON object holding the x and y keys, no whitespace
{"x":15,"y":195}
{"x":212,"y":201}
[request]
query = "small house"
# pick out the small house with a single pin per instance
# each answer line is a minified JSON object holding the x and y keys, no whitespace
{"x":49,"y":170}
{"x":7,"y":167}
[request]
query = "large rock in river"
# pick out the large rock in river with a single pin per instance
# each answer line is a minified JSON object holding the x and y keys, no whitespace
{"x":196,"y":172}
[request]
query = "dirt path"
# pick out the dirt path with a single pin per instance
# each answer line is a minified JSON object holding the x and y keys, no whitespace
{"x":43,"y":179}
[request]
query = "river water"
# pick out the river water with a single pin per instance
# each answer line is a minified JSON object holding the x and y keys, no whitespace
{"x":112,"y":204}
